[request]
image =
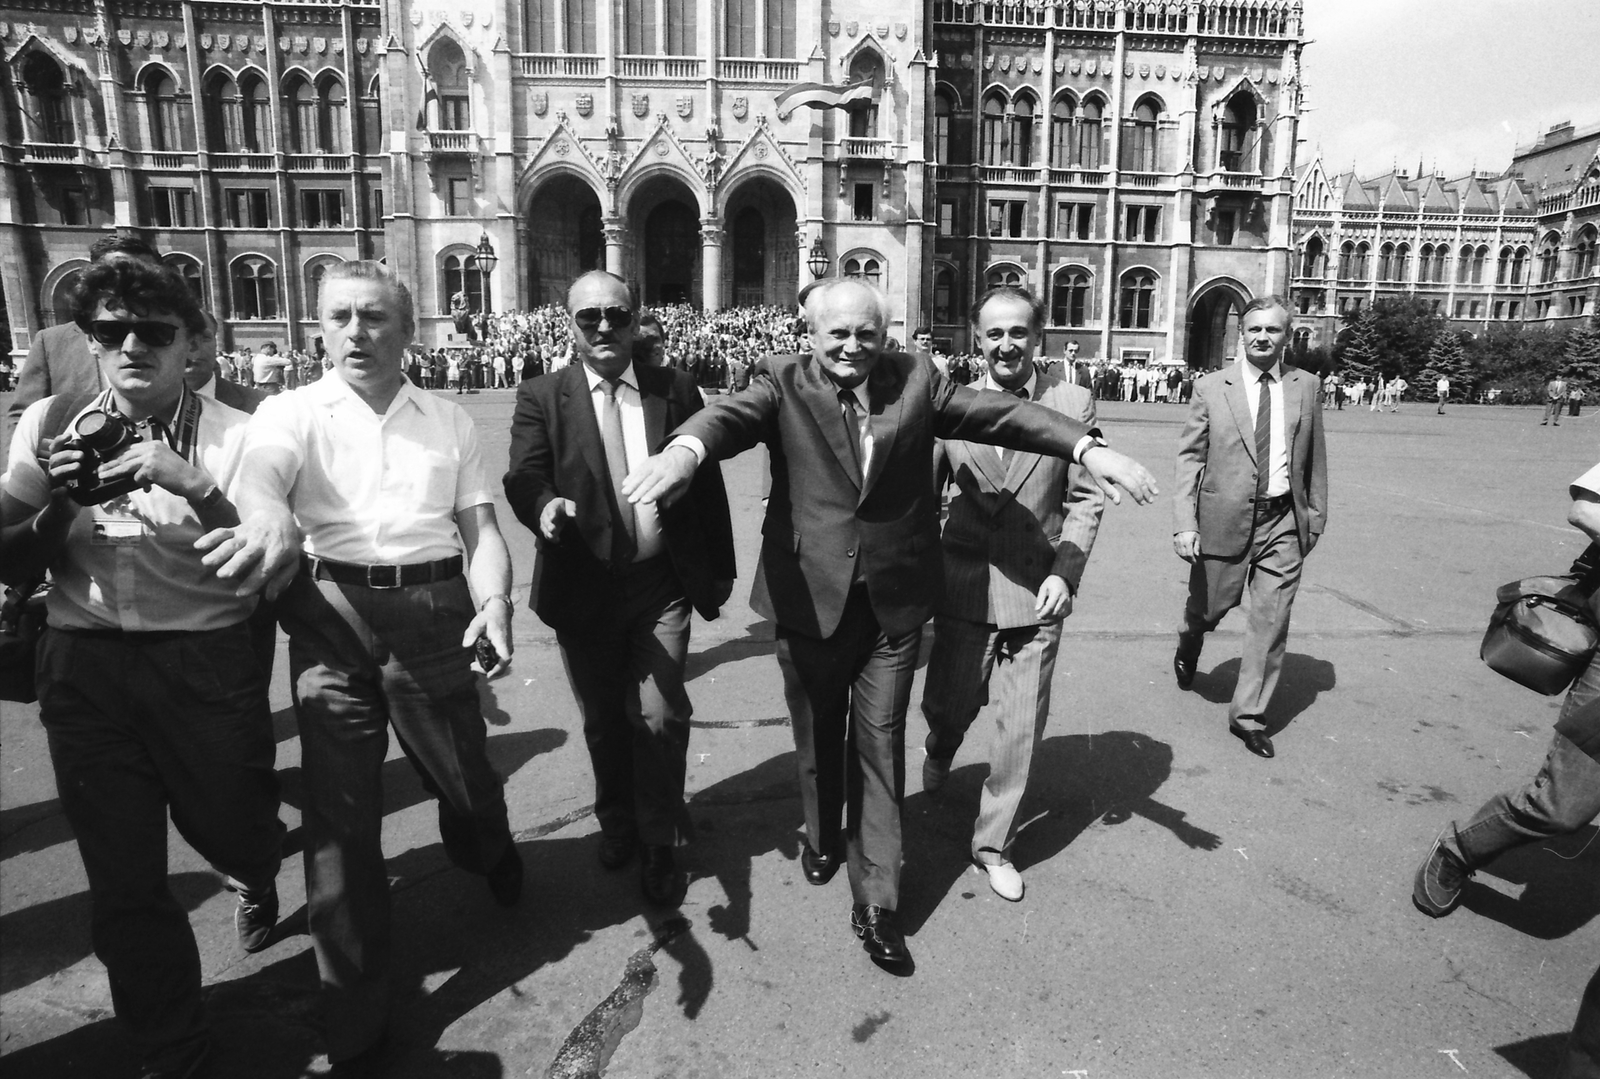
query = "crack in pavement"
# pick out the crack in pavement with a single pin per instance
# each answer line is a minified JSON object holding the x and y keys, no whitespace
{"x":1401,"y":626}
{"x":587,"y":1050}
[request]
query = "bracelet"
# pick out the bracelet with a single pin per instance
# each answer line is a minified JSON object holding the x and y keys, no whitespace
{"x":498,"y":595}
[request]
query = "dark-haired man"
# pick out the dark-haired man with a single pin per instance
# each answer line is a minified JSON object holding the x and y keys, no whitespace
{"x":57,"y":360}
{"x":617,"y":581}
{"x":1019,"y":533}
{"x":148,"y":685}
{"x":1254,"y":436}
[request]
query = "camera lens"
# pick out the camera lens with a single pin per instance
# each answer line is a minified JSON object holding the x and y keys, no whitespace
{"x":97,"y":431}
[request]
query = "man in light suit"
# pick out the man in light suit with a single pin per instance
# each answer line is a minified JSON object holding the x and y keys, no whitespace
{"x":850,"y":563}
{"x":616,"y":581}
{"x":1251,"y":502}
{"x":1018,"y":536}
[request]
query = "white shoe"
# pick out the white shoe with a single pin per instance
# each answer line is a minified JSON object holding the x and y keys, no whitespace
{"x":1004,"y":879}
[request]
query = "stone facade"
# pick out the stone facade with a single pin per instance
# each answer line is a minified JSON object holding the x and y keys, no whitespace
{"x":1513,"y":246}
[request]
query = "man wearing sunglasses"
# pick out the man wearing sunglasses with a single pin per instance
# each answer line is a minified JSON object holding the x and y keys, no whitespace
{"x":149,"y":686}
{"x":617,"y":581}
{"x":850,"y":559}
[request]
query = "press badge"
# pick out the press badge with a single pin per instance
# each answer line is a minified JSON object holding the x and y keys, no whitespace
{"x":117,"y":532}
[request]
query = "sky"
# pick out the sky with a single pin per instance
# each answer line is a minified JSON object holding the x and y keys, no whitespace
{"x":1456,"y":84}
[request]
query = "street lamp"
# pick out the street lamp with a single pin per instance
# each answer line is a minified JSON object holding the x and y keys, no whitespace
{"x":487,"y":261}
{"x":818,"y":262}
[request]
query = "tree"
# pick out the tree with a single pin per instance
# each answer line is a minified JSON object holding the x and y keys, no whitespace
{"x":1446,"y":357}
{"x":1404,"y":328}
{"x":1583,"y":354}
{"x":1358,"y":347}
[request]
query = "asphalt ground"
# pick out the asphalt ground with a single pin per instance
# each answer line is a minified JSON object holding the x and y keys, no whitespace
{"x":1192,"y":911}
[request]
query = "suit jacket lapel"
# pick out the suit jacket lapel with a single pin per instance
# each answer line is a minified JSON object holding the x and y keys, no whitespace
{"x":578,"y":410}
{"x":1239,"y":405}
{"x":1293,"y":387}
{"x":1019,"y":463}
{"x":821,"y":398}
{"x":885,"y":391}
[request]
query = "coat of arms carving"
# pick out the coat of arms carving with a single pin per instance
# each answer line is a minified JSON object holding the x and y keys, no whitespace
{"x":300,"y":45}
{"x":206,"y":40}
{"x":361,"y":45}
{"x":584,"y":104}
{"x":833,"y":27}
{"x":852,"y":28}
{"x":881,"y":28}
{"x":685,"y":106}
{"x":901,"y":30}
{"x":70,"y":33}
{"x":1090,"y":67}
{"x":126,"y":37}
{"x":320,"y":44}
{"x":741,"y":107}
{"x":541,"y":103}
{"x":641,"y":105}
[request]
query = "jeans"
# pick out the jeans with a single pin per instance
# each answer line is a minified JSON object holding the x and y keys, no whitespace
{"x":1563,"y":797}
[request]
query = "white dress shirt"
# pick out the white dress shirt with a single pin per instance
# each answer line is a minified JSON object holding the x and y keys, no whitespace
{"x":369,"y":488}
{"x":1278,"y":478}
{"x":990,"y":384}
{"x":647,"y":520}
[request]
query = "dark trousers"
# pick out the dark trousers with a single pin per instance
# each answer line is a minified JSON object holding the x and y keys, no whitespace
{"x":1270,"y":568}
{"x":847,"y":698}
{"x":361,"y":660}
{"x":628,"y":679}
{"x":140,"y":724}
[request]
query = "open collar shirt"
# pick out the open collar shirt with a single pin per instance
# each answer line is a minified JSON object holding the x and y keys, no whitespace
{"x":370,"y":488}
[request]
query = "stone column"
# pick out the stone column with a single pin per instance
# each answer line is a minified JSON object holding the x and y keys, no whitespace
{"x":616,"y":235}
{"x":711,"y":263}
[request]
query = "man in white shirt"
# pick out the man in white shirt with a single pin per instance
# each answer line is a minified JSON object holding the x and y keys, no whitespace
{"x":374,"y":492}
{"x":1442,"y":388}
{"x":1254,"y":435}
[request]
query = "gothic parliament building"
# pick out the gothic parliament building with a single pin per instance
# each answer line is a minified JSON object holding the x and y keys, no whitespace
{"x":1134,"y":162}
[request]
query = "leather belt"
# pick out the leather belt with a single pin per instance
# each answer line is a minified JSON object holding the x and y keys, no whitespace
{"x":381,"y":576}
{"x":1275,"y":504}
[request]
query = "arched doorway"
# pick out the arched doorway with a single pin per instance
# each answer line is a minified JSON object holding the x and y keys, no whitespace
{"x":668,"y":269}
{"x":763,"y":261}
{"x":564,"y":238}
{"x":1214,"y":327}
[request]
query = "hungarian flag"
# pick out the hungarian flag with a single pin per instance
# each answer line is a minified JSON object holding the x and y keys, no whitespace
{"x":817,"y":95}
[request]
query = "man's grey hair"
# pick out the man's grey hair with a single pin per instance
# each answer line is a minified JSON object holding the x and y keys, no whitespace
{"x":821,"y":290}
{"x":368,"y":270}
{"x":1265,"y":303}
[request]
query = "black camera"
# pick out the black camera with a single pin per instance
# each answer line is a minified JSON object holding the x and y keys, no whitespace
{"x":102,"y":437}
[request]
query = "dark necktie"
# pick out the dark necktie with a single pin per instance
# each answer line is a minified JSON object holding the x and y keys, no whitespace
{"x":851,"y":408}
{"x":1263,"y":435}
{"x":625,"y":534}
{"x":1022,"y":393}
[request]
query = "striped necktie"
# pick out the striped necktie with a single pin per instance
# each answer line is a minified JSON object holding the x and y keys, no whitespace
{"x":1263,"y":435}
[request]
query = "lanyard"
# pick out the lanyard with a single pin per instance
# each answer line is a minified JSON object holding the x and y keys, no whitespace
{"x":179,"y":438}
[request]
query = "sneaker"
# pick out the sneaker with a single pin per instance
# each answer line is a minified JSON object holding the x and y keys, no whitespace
{"x":1440,"y":879}
{"x":257,"y":913}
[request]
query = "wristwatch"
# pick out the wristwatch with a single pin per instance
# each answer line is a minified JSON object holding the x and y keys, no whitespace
{"x":212,"y":496}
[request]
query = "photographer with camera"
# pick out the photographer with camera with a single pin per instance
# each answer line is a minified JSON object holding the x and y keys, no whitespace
{"x":149,"y":690}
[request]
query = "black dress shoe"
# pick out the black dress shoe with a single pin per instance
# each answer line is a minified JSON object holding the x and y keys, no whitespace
{"x":819,"y":868}
{"x":1185,"y":660}
{"x":616,"y":851}
{"x":659,"y":878}
{"x":505,"y":879}
{"x":1256,"y":742}
{"x":879,"y":930}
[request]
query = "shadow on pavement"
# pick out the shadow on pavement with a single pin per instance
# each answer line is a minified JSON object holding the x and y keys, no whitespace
{"x":1303,"y":679}
{"x":759,"y":640}
{"x":1562,"y":893}
{"x":33,"y":827}
{"x":403,"y":786}
{"x":48,"y":937}
{"x":1076,"y":780}
{"x":1537,"y":1058}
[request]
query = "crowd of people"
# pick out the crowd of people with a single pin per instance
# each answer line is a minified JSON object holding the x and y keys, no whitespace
{"x":355,"y":514}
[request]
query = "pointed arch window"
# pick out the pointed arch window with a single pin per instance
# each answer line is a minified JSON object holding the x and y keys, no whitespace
{"x":302,"y":98}
{"x":1142,"y":155}
{"x":224,"y":115}
{"x":1137,"y":307}
{"x":255,"y":288}
{"x":47,"y":98}
{"x":161,"y":97}
{"x":1022,"y":131}
{"x":943,"y":116}
{"x":1441,"y":255}
{"x":944,"y":295}
{"x":189,"y":270}
{"x":1236,"y":135}
{"x":1069,"y":298}
{"x":255,"y":115}
{"x":1090,"y":119}
{"x":1311,"y":260}
{"x":448,"y":66}
{"x":1583,"y":253}
{"x":1347,"y":260}
{"x":1061,"y":113}
{"x":1519,"y":265}
{"x":993,"y":131}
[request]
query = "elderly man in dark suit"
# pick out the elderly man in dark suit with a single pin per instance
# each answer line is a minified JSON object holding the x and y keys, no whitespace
{"x":1018,"y":537}
{"x":616,"y":581}
{"x":1251,"y":502}
{"x":850,"y":563}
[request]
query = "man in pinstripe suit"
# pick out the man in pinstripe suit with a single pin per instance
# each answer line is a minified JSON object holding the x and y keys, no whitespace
{"x":1019,"y":533}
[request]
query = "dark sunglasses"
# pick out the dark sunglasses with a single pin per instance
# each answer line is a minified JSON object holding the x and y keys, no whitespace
{"x":589,"y":317}
{"x":111,"y":333}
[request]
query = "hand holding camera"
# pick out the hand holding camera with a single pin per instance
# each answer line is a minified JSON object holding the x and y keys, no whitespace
{"x":101,"y":457}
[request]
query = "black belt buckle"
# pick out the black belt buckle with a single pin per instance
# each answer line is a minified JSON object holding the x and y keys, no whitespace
{"x":376,"y":576}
